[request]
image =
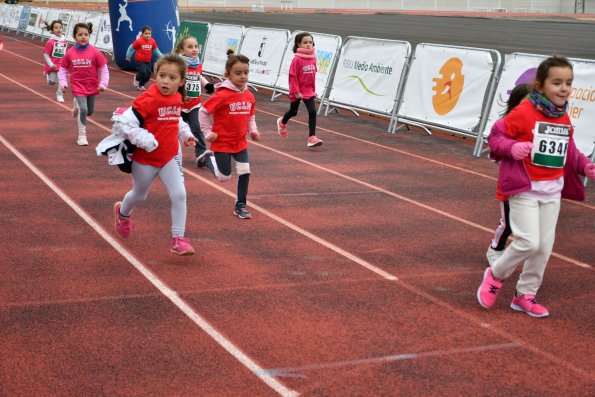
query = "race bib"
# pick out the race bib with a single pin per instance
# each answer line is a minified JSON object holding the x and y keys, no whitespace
{"x":550,"y":144}
{"x":59,"y":49}
{"x":193,"y":85}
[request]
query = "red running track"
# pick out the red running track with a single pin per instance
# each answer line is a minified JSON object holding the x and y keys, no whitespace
{"x":356,"y":276}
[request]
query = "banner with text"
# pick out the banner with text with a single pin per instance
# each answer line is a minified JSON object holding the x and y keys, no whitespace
{"x":53,"y":14}
{"x":104,"y":40}
{"x":265,"y":48}
{"x":221,"y":38}
{"x":369,"y":72}
{"x":447,"y":85}
{"x":198,"y":30}
{"x":327,"y":47}
{"x":75,"y":17}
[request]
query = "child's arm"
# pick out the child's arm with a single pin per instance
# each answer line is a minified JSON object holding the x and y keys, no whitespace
{"x":208,"y":86}
{"x":129,"y":52}
{"x":127,"y":124}
{"x":63,"y":78}
{"x":294,"y":86}
{"x":185,"y":134}
{"x":49,"y":62}
{"x":504,"y":146}
{"x":157,"y":53}
{"x":254,"y":134}
{"x":204,"y":119}
{"x":103,"y":78}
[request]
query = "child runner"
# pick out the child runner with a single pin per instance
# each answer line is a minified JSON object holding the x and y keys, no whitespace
{"x":195,"y":82}
{"x":517,"y":94}
{"x":53,"y":52}
{"x":145,"y":47}
{"x":538,"y":164}
{"x":233,"y":107}
{"x":83,"y":63}
{"x":158,"y":111}
{"x":302,"y":86}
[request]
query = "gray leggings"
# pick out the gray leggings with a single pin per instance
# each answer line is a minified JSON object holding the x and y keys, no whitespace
{"x":172,"y":177}
{"x":52,"y":77}
{"x":86,"y":108}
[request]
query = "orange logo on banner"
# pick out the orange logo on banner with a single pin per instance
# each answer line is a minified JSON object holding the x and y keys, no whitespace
{"x":448,"y":87}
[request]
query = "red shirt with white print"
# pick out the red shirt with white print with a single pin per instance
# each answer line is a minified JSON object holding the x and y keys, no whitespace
{"x":144,"y":49}
{"x":161,"y":117}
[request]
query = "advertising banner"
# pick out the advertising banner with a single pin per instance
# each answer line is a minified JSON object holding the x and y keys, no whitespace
{"x":33,"y":19}
{"x":95,"y":19}
{"x":13,"y":15}
{"x":327,"y":47}
{"x":24,"y":18}
{"x":221,"y":38}
{"x":265,"y":48}
{"x":104,"y":34}
{"x":446,"y":86}
{"x":52,"y":14}
{"x":75,"y":17}
{"x":369,"y":72}
{"x":198,"y":30}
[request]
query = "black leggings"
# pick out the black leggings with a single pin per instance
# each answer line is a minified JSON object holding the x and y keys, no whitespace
{"x":311,"y":106}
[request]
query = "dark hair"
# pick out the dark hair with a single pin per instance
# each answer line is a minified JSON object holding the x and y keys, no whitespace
{"x":544,"y":67}
{"x":233,"y":59}
{"x":298,"y":39}
{"x":180,"y":46}
{"x":177,"y":60}
{"x":50,"y":26}
{"x":517,"y":94}
{"x":145,"y":28}
{"x":229,"y":52}
{"x":88,"y":26}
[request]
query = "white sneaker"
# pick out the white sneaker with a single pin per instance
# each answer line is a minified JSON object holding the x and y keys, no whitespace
{"x":75,"y":108}
{"x":135,"y":82}
{"x":60,"y":97}
{"x":82,"y":140}
{"x":493,"y":255}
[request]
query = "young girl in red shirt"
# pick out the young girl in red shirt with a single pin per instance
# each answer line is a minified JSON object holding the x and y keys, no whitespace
{"x":302,"y":86}
{"x":144,"y":49}
{"x":232,"y":108}
{"x":53,"y":52}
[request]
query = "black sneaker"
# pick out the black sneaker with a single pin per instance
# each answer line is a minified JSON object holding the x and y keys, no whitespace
{"x":201,"y":159}
{"x":241,"y":211}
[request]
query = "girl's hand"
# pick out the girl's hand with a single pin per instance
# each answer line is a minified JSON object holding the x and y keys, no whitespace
{"x":298,"y":95}
{"x":590,"y":171}
{"x":64,"y":88}
{"x":255,"y":135}
{"x":101,"y":88}
{"x":520,"y":150}
{"x":190,"y":141}
{"x":127,"y":59}
{"x":212,"y":137}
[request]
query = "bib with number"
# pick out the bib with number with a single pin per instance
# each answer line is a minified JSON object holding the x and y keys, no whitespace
{"x":193,"y":85}
{"x":59,"y":49}
{"x":550,"y":144}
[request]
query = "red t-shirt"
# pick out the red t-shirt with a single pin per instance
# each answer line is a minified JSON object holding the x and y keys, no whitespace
{"x":84,"y":66}
{"x":193,"y":88}
{"x":161,"y":117}
{"x":231,"y":112}
{"x":144,"y":49}
{"x":520,"y":124}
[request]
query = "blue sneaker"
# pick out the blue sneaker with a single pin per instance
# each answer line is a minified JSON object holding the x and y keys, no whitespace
{"x":241,"y":211}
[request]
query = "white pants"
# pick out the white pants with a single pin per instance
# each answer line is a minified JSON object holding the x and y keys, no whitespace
{"x":533,"y":223}
{"x":172,"y":177}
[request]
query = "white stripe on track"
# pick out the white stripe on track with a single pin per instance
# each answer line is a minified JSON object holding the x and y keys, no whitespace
{"x":169,"y":293}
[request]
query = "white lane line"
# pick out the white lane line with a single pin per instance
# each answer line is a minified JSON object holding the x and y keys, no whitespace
{"x":295,"y":372}
{"x":172,"y":295}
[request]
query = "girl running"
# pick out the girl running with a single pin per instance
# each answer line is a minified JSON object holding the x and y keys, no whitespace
{"x":144,"y":48}
{"x":53,"y":52}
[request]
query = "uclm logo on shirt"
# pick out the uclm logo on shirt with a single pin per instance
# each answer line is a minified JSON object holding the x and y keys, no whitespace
{"x":146,"y":47}
{"x":169,"y":111}
{"x":309,"y":68}
{"x":81,"y":62}
{"x":239,"y":106}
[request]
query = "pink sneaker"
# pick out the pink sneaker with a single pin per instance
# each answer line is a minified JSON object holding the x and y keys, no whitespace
{"x":123,"y":223}
{"x":181,"y":246}
{"x":529,"y":305}
{"x":281,"y":128}
{"x":313,"y":141}
{"x":488,"y":290}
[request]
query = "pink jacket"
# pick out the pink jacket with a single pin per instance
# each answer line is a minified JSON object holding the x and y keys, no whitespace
{"x":513,"y":177}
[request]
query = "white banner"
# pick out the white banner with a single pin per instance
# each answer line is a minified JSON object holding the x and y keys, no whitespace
{"x":41,"y":20}
{"x":33,"y":20}
{"x":95,"y":19}
{"x":65,"y":16}
{"x":447,"y":85}
{"x":326,"y":46}
{"x":369,"y":72}
{"x":53,"y":15}
{"x":104,"y":34}
{"x":221,"y":38}
{"x":12,"y":16}
{"x":521,"y":68}
{"x":3,"y":9}
{"x":265,"y":48}
{"x":76,"y":17}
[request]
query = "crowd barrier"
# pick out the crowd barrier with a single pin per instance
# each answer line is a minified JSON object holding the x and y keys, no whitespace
{"x":459,"y":90}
